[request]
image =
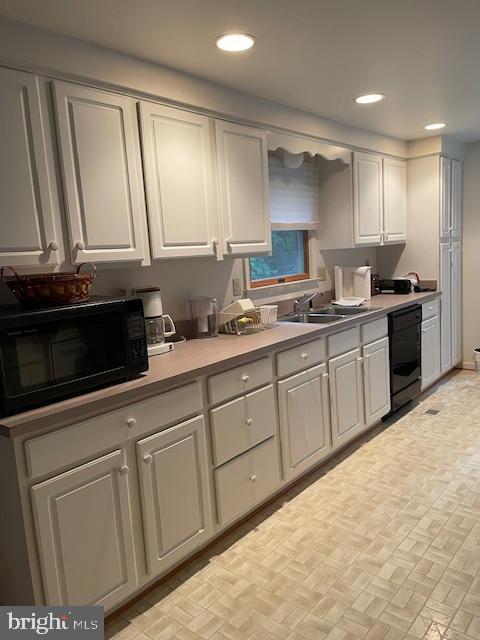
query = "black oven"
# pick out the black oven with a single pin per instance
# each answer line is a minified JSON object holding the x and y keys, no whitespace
{"x":49,"y":354}
{"x":404,"y":329}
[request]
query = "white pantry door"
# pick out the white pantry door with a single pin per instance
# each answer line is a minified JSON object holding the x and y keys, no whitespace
{"x":242,"y":158}
{"x":178,"y":152}
{"x":100,"y":158}
{"x":27,"y":236}
{"x":446,"y":305}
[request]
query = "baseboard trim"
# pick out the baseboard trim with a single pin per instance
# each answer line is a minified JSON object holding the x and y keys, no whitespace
{"x":470,"y":366}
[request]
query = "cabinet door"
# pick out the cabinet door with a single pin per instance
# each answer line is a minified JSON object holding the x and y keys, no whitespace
{"x":430,"y":351}
{"x":243,"y":177}
{"x":175,"y":493}
{"x":394,"y":200}
{"x":456,"y":199}
{"x":445,"y":198}
{"x":182,"y":210}
{"x":304,"y":420}
{"x":84,"y":534}
{"x":346,"y":397}
{"x":456,"y":298}
{"x":376,"y":374}
{"x":446,"y":305}
{"x":100,"y":158}
{"x":367,"y":199}
{"x":28,"y":236}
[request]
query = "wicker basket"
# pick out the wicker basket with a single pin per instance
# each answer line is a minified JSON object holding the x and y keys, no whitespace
{"x":51,"y":289}
{"x":249,"y":322}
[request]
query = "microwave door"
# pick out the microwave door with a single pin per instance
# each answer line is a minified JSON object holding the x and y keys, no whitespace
{"x":69,"y":359}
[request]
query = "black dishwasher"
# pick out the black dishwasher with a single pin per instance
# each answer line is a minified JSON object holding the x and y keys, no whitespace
{"x":404,"y":330}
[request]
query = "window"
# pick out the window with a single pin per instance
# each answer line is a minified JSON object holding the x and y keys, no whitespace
{"x":289,"y":260}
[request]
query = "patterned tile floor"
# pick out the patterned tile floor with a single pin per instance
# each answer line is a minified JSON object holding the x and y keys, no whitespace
{"x":384,"y":544}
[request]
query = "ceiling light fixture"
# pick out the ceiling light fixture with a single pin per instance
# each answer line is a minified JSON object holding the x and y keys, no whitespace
{"x":434,"y":126}
{"x":369,"y":98}
{"x":235,"y":42}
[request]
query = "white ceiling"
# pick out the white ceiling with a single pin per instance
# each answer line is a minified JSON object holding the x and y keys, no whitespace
{"x":316,"y":55}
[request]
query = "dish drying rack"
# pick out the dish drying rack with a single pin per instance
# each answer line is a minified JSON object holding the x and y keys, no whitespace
{"x":250,"y":321}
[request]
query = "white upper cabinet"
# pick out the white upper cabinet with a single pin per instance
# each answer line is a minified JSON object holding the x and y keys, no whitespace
{"x":394,"y":201}
{"x":445,"y":198}
{"x":367,"y":199}
{"x":456,"y":205}
{"x":242,"y":157}
{"x":180,"y":184}
{"x":100,"y":159}
{"x":28,"y":236}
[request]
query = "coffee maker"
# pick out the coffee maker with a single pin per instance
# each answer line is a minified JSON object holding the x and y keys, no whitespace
{"x":156,"y":321}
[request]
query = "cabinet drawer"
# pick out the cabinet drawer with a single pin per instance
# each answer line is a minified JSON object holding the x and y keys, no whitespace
{"x":343,"y":341}
{"x":306,"y":355}
{"x":242,"y":423}
{"x":235,"y":381}
{"x":246,"y":480}
{"x":374,"y":330}
{"x":68,"y":445}
{"x":431,"y":309}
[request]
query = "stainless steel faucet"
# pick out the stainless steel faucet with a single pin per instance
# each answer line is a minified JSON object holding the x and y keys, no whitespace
{"x":304,"y":303}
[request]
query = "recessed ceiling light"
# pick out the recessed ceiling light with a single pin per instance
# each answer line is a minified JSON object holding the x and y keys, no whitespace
{"x":235,"y":42}
{"x":435,"y":125}
{"x":370,"y":98}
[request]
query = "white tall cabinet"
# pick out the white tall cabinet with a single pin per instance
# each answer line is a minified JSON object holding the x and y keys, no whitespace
{"x":29,"y":234}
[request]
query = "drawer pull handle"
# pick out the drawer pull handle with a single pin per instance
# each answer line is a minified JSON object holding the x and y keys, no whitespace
{"x":249,"y":422}
{"x":124,"y":470}
{"x":253,"y":478}
{"x":245,"y":378}
{"x":148,"y":459}
{"x":131,"y":422}
{"x":430,"y":308}
{"x":304,"y":356}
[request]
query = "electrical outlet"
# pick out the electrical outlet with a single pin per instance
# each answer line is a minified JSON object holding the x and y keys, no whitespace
{"x":237,"y":286}
{"x":322,"y":273}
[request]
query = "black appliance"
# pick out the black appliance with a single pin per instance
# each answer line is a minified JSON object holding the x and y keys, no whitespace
{"x":404,"y":330}
{"x":52,"y":353}
{"x":395,"y":285}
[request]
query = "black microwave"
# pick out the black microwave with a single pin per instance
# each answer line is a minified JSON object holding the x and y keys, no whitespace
{"x":49,"y":354}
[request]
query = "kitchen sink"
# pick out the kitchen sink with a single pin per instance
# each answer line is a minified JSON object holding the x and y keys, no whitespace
{"x":344,"y":311}
{"x":316,"y":318}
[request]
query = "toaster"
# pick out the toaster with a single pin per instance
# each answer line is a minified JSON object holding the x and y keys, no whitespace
{"x":395,"y":285}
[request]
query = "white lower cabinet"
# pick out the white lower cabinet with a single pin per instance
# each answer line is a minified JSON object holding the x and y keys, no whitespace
{"x":431,"y":368}
{"x":84,"y":534}
{"x":173,"y":470}
{"x":247,"y":480}
{"x":376,"y":374}
{"x":304,"y":420}
{"x":346,"y":397}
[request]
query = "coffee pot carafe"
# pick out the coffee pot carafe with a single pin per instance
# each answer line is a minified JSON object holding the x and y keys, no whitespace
{"x":156,"y":321}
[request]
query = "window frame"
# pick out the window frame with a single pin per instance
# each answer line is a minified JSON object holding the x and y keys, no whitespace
{"x":294,"y":277}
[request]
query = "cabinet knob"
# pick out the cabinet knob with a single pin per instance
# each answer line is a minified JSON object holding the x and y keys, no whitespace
{"x":249,"y":422}
{"x":325,"y":376}
{"x":253,"y":478}
{"x":245,"y":378}
{"x":131,"y":422}
{"x":148,"y":459}
{"x":359,"y":359}
{"x":80,"y":245}
{"x":304,"y":356}
{"x":124,"y":470}
{"x":54,"y":246}
{"x":450,"y":228}
{"x":228,"y":242}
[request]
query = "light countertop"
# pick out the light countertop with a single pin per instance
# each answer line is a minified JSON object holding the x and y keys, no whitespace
{"x":192,"y":359}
